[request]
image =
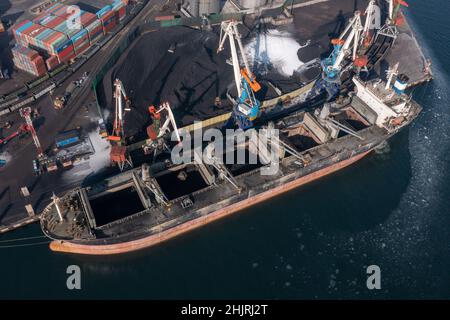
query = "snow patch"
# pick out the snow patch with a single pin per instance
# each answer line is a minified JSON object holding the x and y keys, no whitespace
{"x":96,"y":162}
{"x":5,"y":156}
{"x":277,"y":49}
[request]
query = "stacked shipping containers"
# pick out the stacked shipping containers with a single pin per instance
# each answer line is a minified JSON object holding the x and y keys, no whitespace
{"x":64,"y":32}
{"x":28,"y":60}
{"x":119,"y":7}
{"x":52,"y":63}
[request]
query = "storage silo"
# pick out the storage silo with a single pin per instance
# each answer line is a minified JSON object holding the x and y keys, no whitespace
{"x":208,"y":6}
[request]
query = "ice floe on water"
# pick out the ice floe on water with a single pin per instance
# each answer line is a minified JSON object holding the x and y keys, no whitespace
{"x":277,"y":49}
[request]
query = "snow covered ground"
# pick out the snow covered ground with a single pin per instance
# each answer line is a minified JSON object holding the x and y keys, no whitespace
{"x":96,"y":162}
{"x":5,"y":156}
{"x":277,"y":49}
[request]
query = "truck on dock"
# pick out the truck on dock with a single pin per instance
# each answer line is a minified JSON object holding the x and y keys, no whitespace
{"x":61,"y":100}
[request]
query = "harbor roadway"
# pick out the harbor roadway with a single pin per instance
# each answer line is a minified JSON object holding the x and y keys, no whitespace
{"x":81,"y":112}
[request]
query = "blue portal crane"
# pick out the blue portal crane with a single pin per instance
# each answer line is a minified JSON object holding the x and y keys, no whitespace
{"x":246,"y":108}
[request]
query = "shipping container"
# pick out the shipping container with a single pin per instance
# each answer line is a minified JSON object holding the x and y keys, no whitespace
{"x":120,"y":9}
{"x":95,"y":30}
{"x":104,"y":11}
{"x":28,"y":60}
{"x":164,"y":18}
{"x":51,"y":21}
{"x":67,"y":138}
{"x":52,"y":63}
{"x":87,"y":18}
{"x":54,"y":8}
{"x":66,"y":52}
{"x":109,"y":21}
{"x":22,"y":26}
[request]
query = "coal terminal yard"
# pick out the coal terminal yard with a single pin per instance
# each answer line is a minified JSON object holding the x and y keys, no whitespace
{"x":192,"y":76}
{"x":190,"y":85}
{"x":180,"y":65}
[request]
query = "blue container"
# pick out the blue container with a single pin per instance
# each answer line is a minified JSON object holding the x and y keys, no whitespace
{"x":67,"y":138}
{"x":66,"y":142}
{"x":104,"y":11}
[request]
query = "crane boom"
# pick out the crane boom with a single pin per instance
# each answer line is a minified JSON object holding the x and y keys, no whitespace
{"x":247,"y":107}
{"x":118,"y":129}
{"x":332,"y":65}
{"x":26,"y":114}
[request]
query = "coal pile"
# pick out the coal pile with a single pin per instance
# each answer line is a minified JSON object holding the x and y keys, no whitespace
{"x":190,"y":78}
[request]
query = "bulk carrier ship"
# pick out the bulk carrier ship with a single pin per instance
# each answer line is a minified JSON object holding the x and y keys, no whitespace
{"x":145,"y":206}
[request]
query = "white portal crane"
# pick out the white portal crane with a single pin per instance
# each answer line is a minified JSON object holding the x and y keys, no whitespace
{"x":370,"y":12}
{"x":355,"y":28}
{"x":332,"y":65}
{"x":391,"y":73}
{"x":229,"y":30}
{"x":118,"y":129}
{"x":170,"y":119}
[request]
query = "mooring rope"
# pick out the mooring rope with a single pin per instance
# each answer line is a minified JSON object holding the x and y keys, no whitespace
{"x":21,"y":239}
{"x":24,"y":245}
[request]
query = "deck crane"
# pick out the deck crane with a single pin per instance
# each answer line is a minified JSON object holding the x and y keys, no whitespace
{"x":118,"y":129}
{"x":26,"y":114}
{"x":246,"y":108}
{"x":370,"y":13}
{"x":394,"y":10}
{"x":164,"y":128}
{"x":394,"y":18}
{"x":159,"y":131}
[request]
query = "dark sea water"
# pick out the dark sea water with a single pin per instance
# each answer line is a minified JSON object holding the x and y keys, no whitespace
{"x":391,"y":209}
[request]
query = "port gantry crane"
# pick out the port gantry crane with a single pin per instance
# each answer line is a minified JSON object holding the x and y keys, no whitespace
{"x":118,"y":129}
{"x":370,"y":22}
{"x":332,"y":66}
{"x":394,"y":18}
{"x":170,"y":119}
{"x":246,"y":108}
{"x":159,"y":131}
{"x":119,"y":153}
{"x":26,"y":114}
{"x":352,"y":45}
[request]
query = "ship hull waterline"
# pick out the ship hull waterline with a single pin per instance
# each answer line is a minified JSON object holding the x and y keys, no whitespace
{"x":154,"y":239}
